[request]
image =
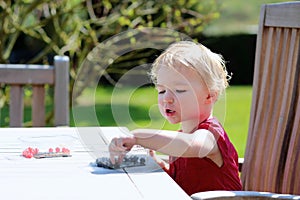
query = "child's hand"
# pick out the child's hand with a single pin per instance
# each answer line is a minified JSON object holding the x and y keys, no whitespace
{"x":164,"y":165}
{"x":118,"y":147}
{"x":153,"y":154}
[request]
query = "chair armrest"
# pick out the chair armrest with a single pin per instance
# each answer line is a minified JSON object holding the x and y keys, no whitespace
{"x":246,"y":195}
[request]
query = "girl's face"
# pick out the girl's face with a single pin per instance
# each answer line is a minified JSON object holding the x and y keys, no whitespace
{"x":182,"y":96}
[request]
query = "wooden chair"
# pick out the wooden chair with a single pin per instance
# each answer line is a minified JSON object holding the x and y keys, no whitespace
{"x":272,"y":157}
{"x":19,"y":75}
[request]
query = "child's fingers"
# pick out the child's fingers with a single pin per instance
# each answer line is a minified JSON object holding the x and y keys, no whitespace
{"x":117,"y":150}
{"x":117,"y":144}
{"x":120,"y":158}
{"x":112,"y":158}
{"x":152,"y":153}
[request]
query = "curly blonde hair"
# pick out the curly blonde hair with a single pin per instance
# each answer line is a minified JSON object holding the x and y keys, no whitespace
{"x":210,"y":66}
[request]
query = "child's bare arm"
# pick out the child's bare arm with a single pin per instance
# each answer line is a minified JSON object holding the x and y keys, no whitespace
{"x":201,"y":143}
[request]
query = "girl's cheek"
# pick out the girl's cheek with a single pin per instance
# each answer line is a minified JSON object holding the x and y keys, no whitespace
{"x":160,"y":100}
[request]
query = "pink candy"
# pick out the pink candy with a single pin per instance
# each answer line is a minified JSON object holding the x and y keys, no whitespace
{"x":30,"y":152}
{"x":57,"y":149}
{"x":65,"y":150}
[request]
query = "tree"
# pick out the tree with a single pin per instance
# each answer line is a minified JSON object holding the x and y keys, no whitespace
{"x":75,"y":27}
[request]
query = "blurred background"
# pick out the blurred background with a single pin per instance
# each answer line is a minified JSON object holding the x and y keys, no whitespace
{"x":33,"y":31}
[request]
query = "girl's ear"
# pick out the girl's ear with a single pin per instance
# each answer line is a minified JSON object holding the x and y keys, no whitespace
{"x":212,"y":97}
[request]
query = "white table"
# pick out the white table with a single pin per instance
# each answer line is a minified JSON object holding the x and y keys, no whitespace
{"x":76,"y":177}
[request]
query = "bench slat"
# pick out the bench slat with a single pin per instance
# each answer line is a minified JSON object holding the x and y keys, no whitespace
{"x":16,"y":106}
{"x":38,"y":105}
{"x":27,"y":74}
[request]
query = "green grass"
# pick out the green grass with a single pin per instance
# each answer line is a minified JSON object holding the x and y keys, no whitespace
{"x":238,"y":103}
{"x":138,"y":109}
{"x":237,"y":16}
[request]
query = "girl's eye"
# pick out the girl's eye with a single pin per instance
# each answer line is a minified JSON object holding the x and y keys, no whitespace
{"x":180,"y":91}
{"x":161,"y":91}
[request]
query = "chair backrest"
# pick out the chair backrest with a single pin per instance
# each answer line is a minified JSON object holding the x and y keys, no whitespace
{"x":19,"y":75}
{"x":272,"y":157}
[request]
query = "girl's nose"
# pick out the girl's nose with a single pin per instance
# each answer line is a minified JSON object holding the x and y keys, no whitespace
{"x":168,"y":100}
{"x":168,"y":97}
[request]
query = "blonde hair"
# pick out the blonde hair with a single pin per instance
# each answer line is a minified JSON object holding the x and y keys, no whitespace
{"x":210,"y":66}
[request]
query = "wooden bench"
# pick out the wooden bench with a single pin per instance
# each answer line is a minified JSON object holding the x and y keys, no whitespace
{"x":19,"y":75}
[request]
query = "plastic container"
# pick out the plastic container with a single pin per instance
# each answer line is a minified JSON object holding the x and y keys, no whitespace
{"x":136,"y":157}
{"x":47,"y":146}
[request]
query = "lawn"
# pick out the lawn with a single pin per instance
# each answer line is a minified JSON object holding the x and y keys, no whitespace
{"x":237,"y":16}
{"x":238,"y":104}
{"x":138,"y":109}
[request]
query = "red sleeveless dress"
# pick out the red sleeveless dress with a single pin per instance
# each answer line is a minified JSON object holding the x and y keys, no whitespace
{"x":202,"y":174}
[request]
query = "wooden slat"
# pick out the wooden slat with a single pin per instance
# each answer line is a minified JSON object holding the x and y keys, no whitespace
{"x":259,"y":55}
{"x":38,"y":105}
{"x":290,"y":183}
{"x":247,"y":168}
{"x":16,"y":106}
{"x":275,"y":16}
{"x":26,"y":74}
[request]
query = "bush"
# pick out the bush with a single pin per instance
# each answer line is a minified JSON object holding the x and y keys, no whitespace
{"x":32,"y":31}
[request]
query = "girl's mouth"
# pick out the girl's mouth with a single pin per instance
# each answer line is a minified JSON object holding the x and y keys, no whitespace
{"x":169,"y":112}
